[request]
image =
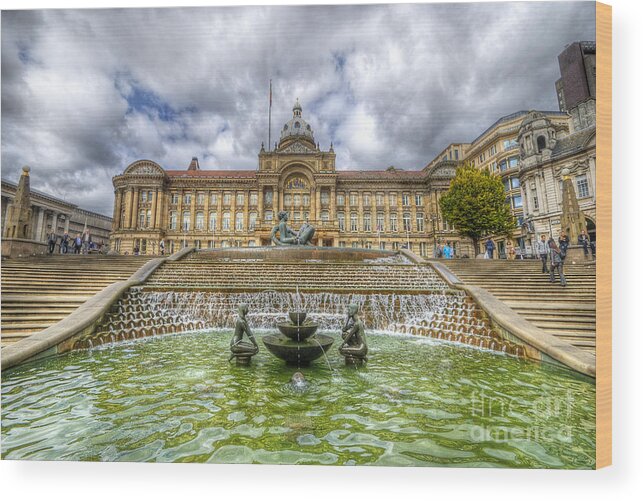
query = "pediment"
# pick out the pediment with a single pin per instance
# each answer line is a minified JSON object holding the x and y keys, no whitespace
{"x":297,"y":147}
{"x":144,"y":167}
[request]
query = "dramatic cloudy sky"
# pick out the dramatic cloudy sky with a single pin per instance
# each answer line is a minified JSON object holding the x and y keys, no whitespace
{"x":86,"y":92}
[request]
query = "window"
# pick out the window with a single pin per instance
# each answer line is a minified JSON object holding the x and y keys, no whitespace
{"x":297,"y":200}
{"x":324,"y":216}
{"x":325,"y":197}
{"x":175,"y":198}
{"x":214,"y":199}
{"x":541,"y":142}
{"x":515,"y":182}
{"x":382,"y":245}
{"x":211,"y":244}
{"x":267,"y":197}
{"x":419,"y":221}
{"x":185,"y":223}
{"x":354,"y":245}
{"x":353,"y":199}
{"x":395,"y":246}
{"x":226,"y":221}
{"x":393,"y":222}
{"x":199,"y":221}
{"x":227,"y":198}
{"x":380,"y":221}
{"x":173,"y":220}
{"x":455,"y":152}
{"x":367,"y":222}
{"x":342,"y":244}
{"x":253,"y":198}
{"x":353,"y":221}
{"x":506,"y":183}
{"x":534,"y":199}
{"x":493,"y":150}
{"x":481,"y":158}
{"x":141,"y":219}
{"x":287,"y":200}
{"x":252,"y":221}
{"x":238,"y":221}
{"x":200,"y":199}
{"x":392,"y":199}
{"x":143,"y":196}
{"x":517,"y":201}
{"x":513,"y":162}
{"x":148,"y":218}
{"x":306,"y":200}
{"x":240,"y":199}
{"x":423,"y":249}
{"x":583,"y":186}
{"x":379,"y":199}
{"x":341,"y":221}
{"x":212,"y":223}
{"x":251,"y":243}
{"x":406,"y":200}
{"x":507,"y":144}
{"x":503,"y":165}
{"x":268,"y":215}
{"x":187,"y":198}
{"x":406,"y":221}
{"x":418,"y":199}
{"x":367,"y":199}
{"x":197,"y":244}
{"x":340,"y":199}
{"x":225,"y":244}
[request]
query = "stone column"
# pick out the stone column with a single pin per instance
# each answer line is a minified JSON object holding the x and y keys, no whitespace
{"x":387,"y":212}
{"x":246,"y":212}
{"x":281,"y":203}
{"x":333,"y":205}
{"x":314,"y":209}
{"x":374,"y":213}
{"x":155,"y":196}
{"x":135,"y":195}
{"x":233,"y":213}
{"x":118,"y":204}
{"x":219,"y":211}
{"x":54,"y":222}
{"x":318,"y":205}
{"x":206,"y":214}
{"x":260,"y":206}
{"x":67,"y":218}
{"x":39,"y":225}
{"x":193,"y":211}
{"x":125,"y":223}
{"x":360,"y":212}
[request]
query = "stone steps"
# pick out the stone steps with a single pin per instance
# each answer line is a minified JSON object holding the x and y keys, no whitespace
{"x":38,"y":292}
{"x":569,"y":313}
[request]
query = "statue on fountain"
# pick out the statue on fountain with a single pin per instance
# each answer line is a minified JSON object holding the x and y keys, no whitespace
{"x":242,"y":350}
{"x":354,"y":347}
{"x":287,"y":236}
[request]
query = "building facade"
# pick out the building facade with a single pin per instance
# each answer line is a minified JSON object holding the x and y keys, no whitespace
{"x":48,"y":213}
{"x":385,"y":209}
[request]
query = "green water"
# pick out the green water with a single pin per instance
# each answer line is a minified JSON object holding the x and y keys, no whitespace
{"x":417,"y":402}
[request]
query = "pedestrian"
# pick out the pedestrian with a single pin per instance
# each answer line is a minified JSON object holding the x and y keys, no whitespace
{"x":87,"y":239}
{"x":511,"y":250}
{"x":563,"y":244}
{"x":447,"y":251}
{"x":78,"y":243}
{"x":136,"y":250}
{"x":162,"y":247}
{"x":439,"y":251}
{"x":583,"y":240}
{"x":490,"y":246}
{"x":556,"y":263}
{"x":64,"y":244}
{"x":542,"y":250}
{"x":51,"y":242}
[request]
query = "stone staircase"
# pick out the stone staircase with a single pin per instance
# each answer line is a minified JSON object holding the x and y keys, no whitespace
{"x":206,"y":274}
{"x":569,"y":313}
{"x":37,"y":292}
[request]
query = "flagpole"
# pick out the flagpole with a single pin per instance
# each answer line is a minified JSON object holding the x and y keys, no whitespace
{"x":270,"y":119}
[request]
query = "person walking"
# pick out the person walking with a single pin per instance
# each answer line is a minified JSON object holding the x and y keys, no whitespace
{"x":556,"y":263}
{"x":490,"y":246}
{"x":64,"y":244}
{"x":162,"y":247}
{"x":583,"y":240}
{"x":87,"y":239}
{"x":563,"y":244}
{"x":542,"y":249}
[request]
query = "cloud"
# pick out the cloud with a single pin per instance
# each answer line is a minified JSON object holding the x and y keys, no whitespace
{"x":86,"y":92}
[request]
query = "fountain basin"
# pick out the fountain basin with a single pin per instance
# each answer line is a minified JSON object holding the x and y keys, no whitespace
{"x":297,"y":317}
{"x":298,"y":332}
{"x":298,"y":353}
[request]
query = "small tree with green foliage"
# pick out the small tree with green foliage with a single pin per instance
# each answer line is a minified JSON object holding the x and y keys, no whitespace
{"x":475,"y":204}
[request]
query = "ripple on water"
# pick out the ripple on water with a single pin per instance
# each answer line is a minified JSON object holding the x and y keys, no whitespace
{"x":177,"y":399}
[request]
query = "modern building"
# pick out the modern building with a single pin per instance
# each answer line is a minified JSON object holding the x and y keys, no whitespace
{"x":385,"y":209}
{"x":48,"y":213}
{"x":576,"y":88}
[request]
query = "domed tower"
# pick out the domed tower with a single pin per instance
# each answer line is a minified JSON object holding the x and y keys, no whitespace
{"x":537,"y":138}
{"x":297,"y":129}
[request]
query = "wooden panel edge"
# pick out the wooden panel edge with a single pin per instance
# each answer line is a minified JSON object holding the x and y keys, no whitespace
{"x":604,"y":235}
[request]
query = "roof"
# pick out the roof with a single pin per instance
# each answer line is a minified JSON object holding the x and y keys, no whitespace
{"x":573,"y":142}
{"x":389,"y":174}
{"x":512,"y":116}
{"x":243,"y":173}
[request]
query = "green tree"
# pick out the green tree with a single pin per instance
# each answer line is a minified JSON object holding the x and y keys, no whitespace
{"x":475,"y":204}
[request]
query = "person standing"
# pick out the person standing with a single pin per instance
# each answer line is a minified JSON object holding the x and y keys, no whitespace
{"x":447,"y":251}
{"x":162,"y":247}
{"x":64,"y":244}
{"x":511,"y":250}
{"x":563,"y":244}
{"x":583,"y":240}
{"x":542,"y":249}
{"x":51,"y":242}
{"x":78,"y":243}
{"x":556,"y":263}
{"x":490,"y":246}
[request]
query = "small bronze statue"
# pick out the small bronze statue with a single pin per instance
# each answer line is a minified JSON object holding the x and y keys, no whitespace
{"x":288,"y":236}
{"x":354,"y":347}
{"x":243,"y":350}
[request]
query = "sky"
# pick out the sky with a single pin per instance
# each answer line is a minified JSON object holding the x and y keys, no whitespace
{"x":87,"y":92}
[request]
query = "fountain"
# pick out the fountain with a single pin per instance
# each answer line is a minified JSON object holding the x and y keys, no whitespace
{"x":298,"y":344}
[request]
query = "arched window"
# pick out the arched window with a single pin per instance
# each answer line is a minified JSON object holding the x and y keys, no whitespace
{"x":353,"y":221}
{"x":238,"y":224}
{"x":541,"y":142}
{"x":213,"y":221}
{"x":199,"y":220}
{"x":252,"y":221}
{"x":226,"y":221}
{"x":341,"y":220}
{"x":173,"y":220}
{"x":186,"y":221}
